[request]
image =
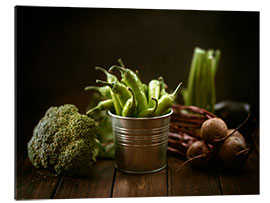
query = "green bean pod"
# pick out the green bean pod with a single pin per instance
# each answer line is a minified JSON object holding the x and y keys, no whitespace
{"x":104,"y":91}
{"x":132,"y":80}
{"x":112,"y":78}
{"x":166,"y":101}
{"x":153,"y":92}
{"x":102,"y":105}
{"x":119,"y":89}
{"x":130,"y":106}
{"x":150,"y":111}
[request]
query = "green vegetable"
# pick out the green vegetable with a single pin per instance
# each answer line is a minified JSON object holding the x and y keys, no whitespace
{"x":116,"y":104}
{"x":112,"y":78}
{"x":149,"y":111}
{"x":201,"y":83}
{"x":154,"y":91}
{"x":104,"y":129}
{"x":102,"y":105}
{"x":145,"y":87}
{"x":145,"y":100}
{"x":119,"y":89}
{"x":64,"y":140}
{"x":120,"y":61}
{"x":105,"y":136}
{"x":133,"y":81}
{"x":166,"y":101}
{"x":107,"y":150}
{"x":104,"y":91}
{"x":162,"y":86}
{"x":130,"y":106}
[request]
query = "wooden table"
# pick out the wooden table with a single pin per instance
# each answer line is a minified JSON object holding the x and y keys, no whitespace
{"x":106,"y":181}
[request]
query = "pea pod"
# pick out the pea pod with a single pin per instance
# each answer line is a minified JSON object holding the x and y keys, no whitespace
{"x":153,"y":92}
{"x":151,"y":110}
{"x":130,"y":106}
{"x":112,"y":78}
{"x":119,"y":89}
{"x":102,"y":105}
{"x":133,"y":81}
{"x":104,"y":91}
{"x":166,"y":101}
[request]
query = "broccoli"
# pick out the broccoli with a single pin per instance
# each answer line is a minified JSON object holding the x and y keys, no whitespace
{"x":64,"y":140}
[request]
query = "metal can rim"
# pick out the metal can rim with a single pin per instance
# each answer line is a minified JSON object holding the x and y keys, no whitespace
{"x":141,"y":118}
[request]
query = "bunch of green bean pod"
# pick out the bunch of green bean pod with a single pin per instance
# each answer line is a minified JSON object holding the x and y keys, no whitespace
{"x":130,"y":97}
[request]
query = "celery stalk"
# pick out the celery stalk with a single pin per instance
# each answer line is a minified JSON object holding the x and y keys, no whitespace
{"x":193,"y":68}
{"x":201,"y":82}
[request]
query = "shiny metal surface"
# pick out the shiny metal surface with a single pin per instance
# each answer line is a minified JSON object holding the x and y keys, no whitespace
{"x":140,"y":143}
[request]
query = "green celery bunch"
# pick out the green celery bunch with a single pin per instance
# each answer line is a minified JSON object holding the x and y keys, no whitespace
{"x":201,"y":91}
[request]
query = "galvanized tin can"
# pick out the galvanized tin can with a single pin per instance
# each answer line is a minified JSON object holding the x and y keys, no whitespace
{"x":140,"y":143}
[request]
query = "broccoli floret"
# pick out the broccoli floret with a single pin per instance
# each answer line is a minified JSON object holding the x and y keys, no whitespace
{"x":64,"y":140}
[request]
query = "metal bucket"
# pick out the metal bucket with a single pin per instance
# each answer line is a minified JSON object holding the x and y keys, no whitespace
{"x":140,"y":143}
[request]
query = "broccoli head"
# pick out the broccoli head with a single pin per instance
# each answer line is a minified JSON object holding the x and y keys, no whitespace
{"x":64,"y":140}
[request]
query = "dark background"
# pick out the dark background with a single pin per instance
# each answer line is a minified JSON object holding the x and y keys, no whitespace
{"x":57,"y":49}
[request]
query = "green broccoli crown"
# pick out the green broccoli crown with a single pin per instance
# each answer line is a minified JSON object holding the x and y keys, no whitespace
{"x":64,"y":140}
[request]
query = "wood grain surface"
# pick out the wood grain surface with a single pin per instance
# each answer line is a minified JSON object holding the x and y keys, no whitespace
{"x":32,"y":183}
{"x":98,"y":184}
{"x":190,"y":181}
{"x":147,"y":185}
{"x":106,"y":181}
{"x":244,"y":181}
